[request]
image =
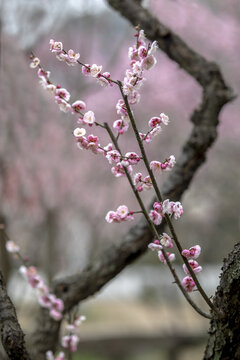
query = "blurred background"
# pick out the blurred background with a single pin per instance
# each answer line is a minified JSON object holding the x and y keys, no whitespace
{"x":54,"y":197}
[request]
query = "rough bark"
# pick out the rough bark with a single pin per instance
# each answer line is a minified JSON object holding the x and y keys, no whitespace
{"x":12,"y":336}
{"x":224,"y":334}
{"x":216,"y":93}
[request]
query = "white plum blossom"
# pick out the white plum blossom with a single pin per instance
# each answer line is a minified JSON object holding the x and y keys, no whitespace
{"x":78,"y":132}
{"x":95,"y":70}
{"x":166,"y":240}
{"x":89,"y":117}
{"x":35,"y":62}
{"x":12,"y":247}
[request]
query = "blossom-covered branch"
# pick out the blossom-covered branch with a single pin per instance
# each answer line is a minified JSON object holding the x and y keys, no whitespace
{"x":68,"y":286}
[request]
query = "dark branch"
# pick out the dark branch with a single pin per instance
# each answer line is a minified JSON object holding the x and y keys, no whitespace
{"x":11,"y":333}
{"x":224,"y":333}
{"x":205,"y":120}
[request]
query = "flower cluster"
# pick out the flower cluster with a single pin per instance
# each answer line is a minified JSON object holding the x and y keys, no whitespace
{"x":157,"y":245}
{"x":121,"y":125}
{"x":170,"y":208}
{"x":69,"y":341}
{"x":142,"y":58}
{"x":191,"y":254}
{"x":167,"y":165}
{"x":71,"y":58}
{"x":122,"y":214}
{"x":45,"y":298}
{"x":88,"y":143}
{"x":142,"y":183}
{"x":155,"y":127}
{"x":62,"y":96}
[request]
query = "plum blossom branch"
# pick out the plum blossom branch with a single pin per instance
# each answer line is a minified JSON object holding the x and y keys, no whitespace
{"x":159,"y":197}
{"x":142,"y":58}
{"x":71,"y":58}
{"x":155,"y":233}
{"x":45,"y":298}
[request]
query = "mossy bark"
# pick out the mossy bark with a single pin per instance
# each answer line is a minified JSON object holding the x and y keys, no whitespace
{"x":224,"y":334}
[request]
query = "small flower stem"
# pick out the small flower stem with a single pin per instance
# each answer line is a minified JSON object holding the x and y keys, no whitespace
{"x":154,"y":231}
{"x":160,"y":199}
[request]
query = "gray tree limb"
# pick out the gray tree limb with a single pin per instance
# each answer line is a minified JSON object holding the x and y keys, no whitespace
{"x":224,"y":333}
{"x":12,"y":336}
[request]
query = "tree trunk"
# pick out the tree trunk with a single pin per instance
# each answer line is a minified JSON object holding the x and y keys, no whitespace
{"x":224,"y":334}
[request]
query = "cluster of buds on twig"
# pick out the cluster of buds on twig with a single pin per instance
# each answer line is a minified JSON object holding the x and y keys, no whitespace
{"x":45,"y":298}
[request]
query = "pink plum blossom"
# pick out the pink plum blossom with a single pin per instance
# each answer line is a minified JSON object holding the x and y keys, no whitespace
{"x":72,"y":57}
{"x":112,"y":216}
{"x":132,"y":158}
{"x":170,"y":256}
{"x":121,"y":108}
{"x":154,"y":121}
{"x":86,"y":70}
{"x":164,"y":119}
{"x":118,"y":170}
{"x":194,"y":265}
{"x":155,"y":246}
{"x":158,"y":207}
{"x":169,"y":163}
{"x":108,"y":147}
{"x":147,"y":183}
{"x":166,"y":240}
{"x":192,"y":253}
{"x":121,"y":125}
{"x":122,"y":211}
{"x":188,"y":284}
{"x":155,"y":165}
{"x":122,"y":214}
{"x":155,"y":217}
{"x":103,"y":79}
{"x":172,"y":208}
{"x":55,"y":46}
{"x":137,"y":178}
{"x":78,"y":106}
{"x":113,"y":156}
{"x":63,"y":94}
{"x":70,"y":342}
